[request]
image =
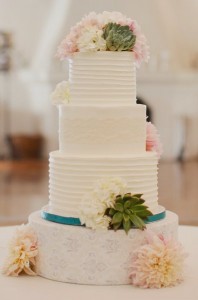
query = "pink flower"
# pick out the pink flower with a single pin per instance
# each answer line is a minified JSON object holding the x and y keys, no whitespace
{"x":141,"y":48}
{"x":152,"y":139}
{"x":22,"y":254}
{"x":157,"y":264}
{"x":94,"y":21}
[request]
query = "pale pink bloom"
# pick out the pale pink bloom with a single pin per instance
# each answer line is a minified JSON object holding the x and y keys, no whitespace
{"x":114,"y":17}
{"x":157,"y":264}
{"x":141,"y":48}
{"x":152,"y":139}
{"x":22,"y":253}
{"x":97,"y":21}
{"x":92,"y":19}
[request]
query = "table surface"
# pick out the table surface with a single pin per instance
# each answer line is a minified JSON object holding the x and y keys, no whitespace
{"x":28,"y":288}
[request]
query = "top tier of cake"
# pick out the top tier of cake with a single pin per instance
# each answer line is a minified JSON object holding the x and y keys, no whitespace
{"x":102,"y":78}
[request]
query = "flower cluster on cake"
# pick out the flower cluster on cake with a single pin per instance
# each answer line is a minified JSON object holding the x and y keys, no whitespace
{"x":103,"y":179}
{"x":108,"y":31}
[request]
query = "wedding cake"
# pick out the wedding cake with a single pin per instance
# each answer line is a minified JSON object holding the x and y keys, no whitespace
{"x":103,"y":181}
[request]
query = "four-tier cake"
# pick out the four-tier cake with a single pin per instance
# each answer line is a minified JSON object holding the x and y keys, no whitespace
{"x":103,"y":180}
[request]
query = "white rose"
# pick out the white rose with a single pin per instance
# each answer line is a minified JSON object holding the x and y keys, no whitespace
{"x":91,"y":40}
{"x":61,"y":94}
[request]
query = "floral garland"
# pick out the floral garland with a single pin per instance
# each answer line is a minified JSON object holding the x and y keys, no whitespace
{"x":108,"y":31}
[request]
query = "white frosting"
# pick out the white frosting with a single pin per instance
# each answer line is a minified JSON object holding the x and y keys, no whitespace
{"x":104,"y":77}
{"x":72,"y":176}
{"x":99,"y":130}
{"x":77,"y":254}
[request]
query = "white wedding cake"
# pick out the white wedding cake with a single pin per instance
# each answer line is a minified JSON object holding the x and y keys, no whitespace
{"x":103,"y":180}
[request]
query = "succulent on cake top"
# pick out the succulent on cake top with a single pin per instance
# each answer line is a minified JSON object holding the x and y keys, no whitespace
{"x":107,"y":31}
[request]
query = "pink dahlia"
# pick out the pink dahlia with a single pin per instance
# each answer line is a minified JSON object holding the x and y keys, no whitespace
{"x":152,"y":139}
{"x":157,"y":264}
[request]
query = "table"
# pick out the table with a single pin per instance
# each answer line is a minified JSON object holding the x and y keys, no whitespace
{"x":37,"y":288}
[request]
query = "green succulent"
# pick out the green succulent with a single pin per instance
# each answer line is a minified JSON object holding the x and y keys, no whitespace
{"x":118,"y":37}
{"x":128,"y":212}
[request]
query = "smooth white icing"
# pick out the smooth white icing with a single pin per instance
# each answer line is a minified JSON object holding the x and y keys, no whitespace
{"x":99,"y":130}
{"x":104,"y":77}
{"x":80,"y":255}
{"x":72,"y":176}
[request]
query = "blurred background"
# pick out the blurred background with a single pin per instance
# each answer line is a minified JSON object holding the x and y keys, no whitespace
{"x":30,"y":31}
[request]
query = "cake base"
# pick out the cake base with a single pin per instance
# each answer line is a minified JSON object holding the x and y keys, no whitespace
{"x":76,"y":254}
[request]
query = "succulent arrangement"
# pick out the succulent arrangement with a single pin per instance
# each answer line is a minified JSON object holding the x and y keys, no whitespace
{"x":129,"y":211}
{"x":118,"y":37}
{"x":107,"y":31}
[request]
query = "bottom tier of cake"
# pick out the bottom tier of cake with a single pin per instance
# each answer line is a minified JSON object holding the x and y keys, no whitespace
{"x":80,"y":255}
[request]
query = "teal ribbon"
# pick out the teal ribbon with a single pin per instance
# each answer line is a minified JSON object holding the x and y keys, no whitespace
{"x":76,"y":221}
{"x":59,"y":219}
{"x":156,"y":217}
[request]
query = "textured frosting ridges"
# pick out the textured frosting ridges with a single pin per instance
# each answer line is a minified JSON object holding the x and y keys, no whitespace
{"x":79,"y":255}
{"x":98,"y":130}
{"x":104,"y":77}
{"x":72,"y":177}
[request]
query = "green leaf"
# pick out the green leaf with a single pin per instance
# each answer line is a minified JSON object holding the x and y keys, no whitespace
{"x":127,"y":204}
{"x":119,"y":207}
{"x":136,"y":201}
{"x":127,"y":197}
{"x":139,"y":223}
{"x":118,"y":199}
{"x":144,"y":214}
{"x":126,"y":217}
{"x":117,"y":226}
{"x":127,"y":226}
{"x":138,"y":195}
{"x":137,"y":208}
{"x":117,"y":218}
{"x":127,"y":211}
{"x":111,"y":212}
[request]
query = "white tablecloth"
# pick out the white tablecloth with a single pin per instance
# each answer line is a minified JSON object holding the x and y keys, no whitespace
{"x":37,"y":288}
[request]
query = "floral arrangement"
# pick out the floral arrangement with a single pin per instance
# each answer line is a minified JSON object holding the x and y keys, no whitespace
{"x":152,"y":139}
{"x":159,"y":263}
{"x":109,"y":207}
{"x":61,"y":94}
{"x":108,"y":31}
{"x":22,"y":253}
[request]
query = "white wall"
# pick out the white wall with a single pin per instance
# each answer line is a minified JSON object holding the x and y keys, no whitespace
{"x":39,"y":25}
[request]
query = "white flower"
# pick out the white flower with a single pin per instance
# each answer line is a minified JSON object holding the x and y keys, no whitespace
{"x":22,"y":254}
{"x":91,"y":40}
{"x":95,"y":221}
{"x":107,"y":189}
{"x":61,"y":94}
{"x":95,"y":203}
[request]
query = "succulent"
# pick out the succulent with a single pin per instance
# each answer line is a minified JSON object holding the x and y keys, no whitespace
{"x":128,"y":212}
{"x":118,"y":37}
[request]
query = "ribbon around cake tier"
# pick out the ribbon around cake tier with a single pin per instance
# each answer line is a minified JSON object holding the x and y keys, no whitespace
{"x":46,"y":215}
